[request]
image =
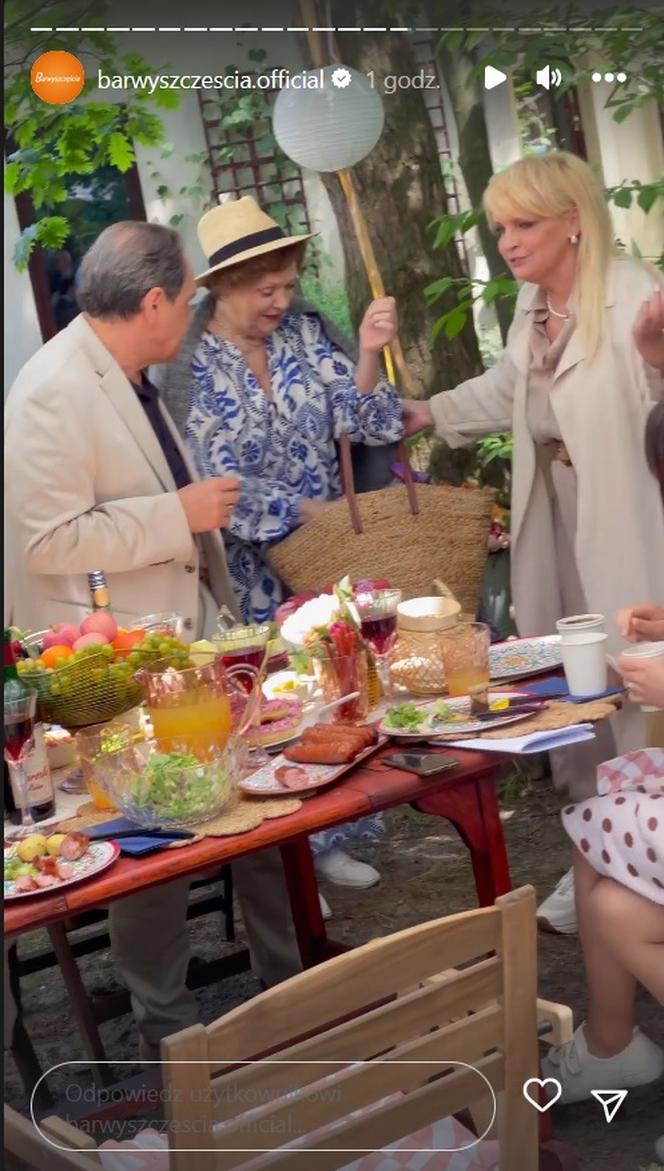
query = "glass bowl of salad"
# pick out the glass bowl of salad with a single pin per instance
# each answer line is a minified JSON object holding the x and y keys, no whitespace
{"x":165,"y":785}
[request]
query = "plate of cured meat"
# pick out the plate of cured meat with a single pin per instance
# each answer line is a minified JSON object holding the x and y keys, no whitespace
{"x":322,"y":754}
{"x":38,"y":864}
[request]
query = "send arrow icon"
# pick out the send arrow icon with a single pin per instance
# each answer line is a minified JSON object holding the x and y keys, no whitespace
{"x":610,"y":1101}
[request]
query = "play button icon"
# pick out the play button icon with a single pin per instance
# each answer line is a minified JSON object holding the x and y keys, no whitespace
{"x":493,"y":77}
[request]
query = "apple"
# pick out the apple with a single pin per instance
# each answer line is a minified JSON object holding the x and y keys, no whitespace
{"x":90,"y":639}
{"x":101,"y":622}
{"x":61,"y":634}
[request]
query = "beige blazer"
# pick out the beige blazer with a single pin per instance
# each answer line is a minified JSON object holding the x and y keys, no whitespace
{"x":601,"y":408}
{"x":88,"y":487}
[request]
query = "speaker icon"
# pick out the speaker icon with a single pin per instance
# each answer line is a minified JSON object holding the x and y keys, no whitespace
{"x":548,"y":77}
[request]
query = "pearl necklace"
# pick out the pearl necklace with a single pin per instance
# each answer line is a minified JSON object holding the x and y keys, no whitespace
{"x":554,"y":312}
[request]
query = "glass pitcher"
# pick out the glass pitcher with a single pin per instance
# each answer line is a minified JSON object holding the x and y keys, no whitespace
{"x":197,"y":706}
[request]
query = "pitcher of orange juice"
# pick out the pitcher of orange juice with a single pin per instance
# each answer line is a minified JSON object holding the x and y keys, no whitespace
{"x":195,"y":709}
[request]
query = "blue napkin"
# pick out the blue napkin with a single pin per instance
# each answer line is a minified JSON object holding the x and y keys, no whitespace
{"x":138,"y":846}
{"x":557,"y":689}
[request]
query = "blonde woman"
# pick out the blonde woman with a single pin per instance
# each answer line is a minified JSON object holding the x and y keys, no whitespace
{"x":573,"y":387}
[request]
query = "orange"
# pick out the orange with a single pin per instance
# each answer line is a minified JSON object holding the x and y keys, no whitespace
{"x":125,"y":641}
{"x":57,"y":77}
{"x":50,"y":657}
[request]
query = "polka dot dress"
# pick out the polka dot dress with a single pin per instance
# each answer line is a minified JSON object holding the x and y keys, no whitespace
{"x":621,"y":830}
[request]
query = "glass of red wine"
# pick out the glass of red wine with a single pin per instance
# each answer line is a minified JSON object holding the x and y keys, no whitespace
{"x":242,"y":650}
{"x":19,"y":728}
{"x":378,"y":617}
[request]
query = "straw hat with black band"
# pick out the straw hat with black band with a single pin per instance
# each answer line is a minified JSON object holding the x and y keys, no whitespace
{"x":238,"y":231}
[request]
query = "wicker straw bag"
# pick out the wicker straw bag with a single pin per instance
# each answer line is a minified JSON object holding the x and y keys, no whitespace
{"x":408,"y":537}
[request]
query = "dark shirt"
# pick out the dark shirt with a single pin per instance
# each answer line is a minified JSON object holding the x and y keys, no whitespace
{"x":148,"y":396}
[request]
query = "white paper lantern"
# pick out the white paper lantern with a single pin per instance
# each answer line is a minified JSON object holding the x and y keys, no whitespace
{"x":332,"y":122}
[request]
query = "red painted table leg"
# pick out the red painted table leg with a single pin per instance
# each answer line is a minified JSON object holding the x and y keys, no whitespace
{"x":474,"y":812}
{"x":310,"y":930}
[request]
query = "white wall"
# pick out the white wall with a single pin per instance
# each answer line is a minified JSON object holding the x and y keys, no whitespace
{"x":22,"y":333}
{"x":502,"y":125}
{"x":625,"y":151}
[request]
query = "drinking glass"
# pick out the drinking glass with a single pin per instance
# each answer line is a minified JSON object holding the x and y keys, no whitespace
{"x":243,"y":651}
{"x":344,"y":675}
{"x":92,"y":742}
{"x":378,"y":618}
{"x":19,"y":724}
{"x":465,"y":655}
{"x":167,"y":623}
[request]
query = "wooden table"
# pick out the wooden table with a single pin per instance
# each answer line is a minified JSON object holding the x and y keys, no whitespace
{"x":466,"y":796}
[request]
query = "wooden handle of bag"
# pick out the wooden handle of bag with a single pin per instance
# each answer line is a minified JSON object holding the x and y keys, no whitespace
{"x":348,"y":481}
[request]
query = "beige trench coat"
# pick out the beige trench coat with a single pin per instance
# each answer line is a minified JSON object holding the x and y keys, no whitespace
{"x":88,"y":487}
{"x":601,"y":408}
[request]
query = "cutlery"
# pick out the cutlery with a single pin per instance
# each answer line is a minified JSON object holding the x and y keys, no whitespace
{"x":518,"y":709}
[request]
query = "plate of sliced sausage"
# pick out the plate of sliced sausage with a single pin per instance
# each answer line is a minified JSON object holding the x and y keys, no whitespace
{"x":76,"y":859}
{"x":323,"y":753}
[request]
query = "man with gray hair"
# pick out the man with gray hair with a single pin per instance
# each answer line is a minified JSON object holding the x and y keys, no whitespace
{"x":97,"y":478}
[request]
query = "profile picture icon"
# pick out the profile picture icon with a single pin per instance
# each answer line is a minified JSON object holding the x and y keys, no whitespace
{"x":57,"y":77}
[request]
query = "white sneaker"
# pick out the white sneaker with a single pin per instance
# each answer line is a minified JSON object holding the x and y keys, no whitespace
{"x":338,"y":867}
{"x":558,"y":912}
{"x":659,"y":1149}
{"x":325,"y":908}
{"x":579,"y":1072}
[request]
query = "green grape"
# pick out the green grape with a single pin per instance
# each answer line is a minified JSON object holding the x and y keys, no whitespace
{"x":134,"y":659}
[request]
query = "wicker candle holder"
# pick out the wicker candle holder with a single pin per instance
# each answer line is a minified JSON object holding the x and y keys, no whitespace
{"x":416,"y":663}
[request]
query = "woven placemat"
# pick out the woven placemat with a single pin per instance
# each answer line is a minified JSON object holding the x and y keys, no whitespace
{"x":556,"y":715}
{"x":243,"y":813}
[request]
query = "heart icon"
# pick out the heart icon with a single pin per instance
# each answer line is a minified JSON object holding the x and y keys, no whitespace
{"x":542,"y":1082}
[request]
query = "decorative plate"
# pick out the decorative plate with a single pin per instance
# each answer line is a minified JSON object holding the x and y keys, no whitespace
{"x":448,"y":717}
{"x":97,"y":857}
{"x":264,"y":782}
{"x":520,"y":657}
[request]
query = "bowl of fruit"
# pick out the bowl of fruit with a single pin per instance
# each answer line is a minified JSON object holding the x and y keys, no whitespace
{"x":86,"y":675}
{"x":159,"y":784}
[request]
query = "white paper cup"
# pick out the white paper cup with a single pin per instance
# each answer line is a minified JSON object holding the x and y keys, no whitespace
{"x":645,"y":650}
{"x":578,"y":623}
{"x":584,"y":661}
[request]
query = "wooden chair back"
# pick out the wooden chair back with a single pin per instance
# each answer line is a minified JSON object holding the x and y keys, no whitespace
{"x":430,"y":1014}
{"x":55,"y":1146}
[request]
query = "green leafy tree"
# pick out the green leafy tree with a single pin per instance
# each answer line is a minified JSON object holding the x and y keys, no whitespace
{"x":50,"y":144}
{"x":632,"y":36}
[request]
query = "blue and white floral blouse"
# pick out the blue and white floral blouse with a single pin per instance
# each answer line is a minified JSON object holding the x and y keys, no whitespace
{"x":282,"y":448}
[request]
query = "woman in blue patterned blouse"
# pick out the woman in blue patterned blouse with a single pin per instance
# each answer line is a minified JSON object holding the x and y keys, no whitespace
{"x":268,"y":394}
{"x":271,"y":392}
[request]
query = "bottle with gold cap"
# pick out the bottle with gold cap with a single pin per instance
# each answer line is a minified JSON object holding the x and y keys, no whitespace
{"x":98,"y":586}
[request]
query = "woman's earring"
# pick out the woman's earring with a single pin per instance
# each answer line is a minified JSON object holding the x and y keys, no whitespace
{"x":574,"y":239}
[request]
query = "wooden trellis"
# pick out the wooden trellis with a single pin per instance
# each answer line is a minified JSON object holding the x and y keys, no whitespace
{"x":253,"y":167}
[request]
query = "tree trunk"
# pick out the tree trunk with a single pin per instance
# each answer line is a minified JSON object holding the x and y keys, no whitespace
{"x":400,"y":190}
{"x":475,"y":158}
